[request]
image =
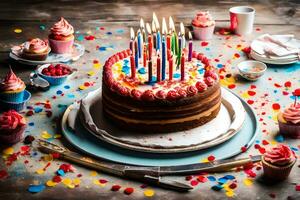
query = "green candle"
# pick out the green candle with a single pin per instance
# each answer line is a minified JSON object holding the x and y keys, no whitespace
{"x":173,"y":43}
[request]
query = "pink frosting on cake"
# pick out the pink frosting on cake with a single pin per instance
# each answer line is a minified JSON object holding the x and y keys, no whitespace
{"x":279,"y":155}
{"x":292,"y":114}
{"x":36,"y":46}
{"x":11,"y":120}
{"x":62,"y":27}
{"x":203,"y":19}
{"x":11,"y":82}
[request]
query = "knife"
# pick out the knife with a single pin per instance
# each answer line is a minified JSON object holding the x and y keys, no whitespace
{"x":148,"y":174}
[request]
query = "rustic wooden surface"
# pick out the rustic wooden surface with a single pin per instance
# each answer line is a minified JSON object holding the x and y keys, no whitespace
{"x":272,"y":16}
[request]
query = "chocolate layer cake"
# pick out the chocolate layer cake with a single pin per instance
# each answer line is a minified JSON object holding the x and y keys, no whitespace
{"x":165,"y":106}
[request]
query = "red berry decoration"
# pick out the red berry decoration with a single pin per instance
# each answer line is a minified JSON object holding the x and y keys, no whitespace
{"x":57,"y":70}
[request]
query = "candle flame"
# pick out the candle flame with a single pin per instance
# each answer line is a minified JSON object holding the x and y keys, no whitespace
{"x":164,"y":26}
{"x":156,"y":21}
{"x":153,"y":27}
{"x":190,"y":35}
{"x":171,"y":24}
{"x":131,"y":33}
{"x":148,"y":28}
{"x":182,"y":28}
{"x":142,"y":24}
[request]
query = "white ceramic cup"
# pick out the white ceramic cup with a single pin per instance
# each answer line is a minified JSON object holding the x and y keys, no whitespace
{"x":242,"y":19}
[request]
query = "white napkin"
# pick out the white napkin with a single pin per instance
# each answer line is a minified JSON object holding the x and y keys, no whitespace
{"x":278,"y":45}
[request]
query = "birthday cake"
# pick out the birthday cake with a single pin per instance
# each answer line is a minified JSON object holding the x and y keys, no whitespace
{"x":160,"y":92}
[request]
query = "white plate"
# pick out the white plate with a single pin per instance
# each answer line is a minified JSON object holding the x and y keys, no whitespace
{"x":222,"y":128}
{"x":78,"y":51}
{"x":270,"y":61}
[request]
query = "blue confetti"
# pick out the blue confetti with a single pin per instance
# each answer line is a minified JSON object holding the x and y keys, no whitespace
{"x":109,"y":33}
{"x":126,"y":69}
{"x":36,"y":188}
{"x":71,"y":95}
{"x":58,"y":92}
{"x":120,"y":31}
{"x":279,"y":138}
{"x":38,"y":109}
{"x":257,"y":141}
{"x":219,"y":65}
{"x":102,"y":49}
{"x":217,"y":187}
{"x":211,"y":178}
{"x":67,"y":87}
{"x":31,"y":123}
{"x":60,"y":172}
{"x":229,"y":177}
{"x":126,"y":61}
{"x":294,"y":148}
{"x":207,"y":49}
{"x":142,"y":70}
{"x":80,"y":38}
{"x":42,"y":27}
{"x":176,"y":75}
{"x":201,"y":71}
{"x":222,"y":180}
{"x":275,"y":91}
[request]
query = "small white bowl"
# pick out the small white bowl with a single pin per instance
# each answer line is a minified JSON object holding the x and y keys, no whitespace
{"x":252,"y":69}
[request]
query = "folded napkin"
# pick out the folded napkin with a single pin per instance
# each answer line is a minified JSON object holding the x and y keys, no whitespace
{"x":278,"y":45}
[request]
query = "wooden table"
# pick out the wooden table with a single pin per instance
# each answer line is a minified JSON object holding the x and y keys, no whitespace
{"x":99,"y":18}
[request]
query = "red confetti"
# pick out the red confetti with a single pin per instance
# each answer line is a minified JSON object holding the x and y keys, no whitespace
{"x":250,"y":102}
{"x":276,"y":106}
{"x":277,"y":85}
{"x":252,"y":86}
{"x":211,"y":158}
{"x":285,"y":93}
{"x":233,"y":186}
{"x":187,"y":178}
{"x":231,"y":86}
{"x":265,"y":142}
{"x":103,"y":181}
{"x":86,"y":84}
{"x":128,"y":191}
{"x":246,"y":50}
{"x":29,"y":113}
{"x":202,"y":179}
{"x":3,"y":174}
{"x":297,"y":92}
{"x":262,"y":150}
{"x":89,"y":37}
{"x":288,"y":84}
{"x":55,"y":155}
{"x":244,"y":149}
{"x":95,"y":61}
{"x":57,"y":179}
{"x":258,"y":29}
{"x":237,"y":55}
{"x":194,"y":183}
{"x":251,"y":93}
{"x":115,"y":188}
{"x":66,"y":168}
{"x":203,"y":44}
{"x":297,"y":187}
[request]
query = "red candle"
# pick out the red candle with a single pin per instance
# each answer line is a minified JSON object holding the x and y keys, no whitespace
{"x":150,"y":46}
{"x":182,"y":67}
{"x":171,"y":68}
{"x":132,"y":66}
{"x":168,"y":54}
{"x":145,"y":57}
{"x":168,"y":42}
{"x":158,"y":69}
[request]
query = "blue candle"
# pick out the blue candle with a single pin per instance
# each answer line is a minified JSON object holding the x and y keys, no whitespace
{"x":136,"y":56}
{"x":158,"y":41}
{"x":163,"y":69}
{"x":139,"y":44}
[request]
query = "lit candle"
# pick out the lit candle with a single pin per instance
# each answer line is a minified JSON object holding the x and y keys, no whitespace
{"x":182,"y":30}
{"x":140,"y":42}
{"x":158,"y":36}
{"x":136,"y":56}
{"x":132,"y":66}
{"x":142,"y":26}
{"x":172,"y":30}
{"x":169,"y":41}
{"x":158,"y":69}
{"x":154,"y":34}
{"x":149,"y":71}
{"x":149,"y":41}
{"x":164,"y":49}
{"x":190,"y":46}
{"x":171,"y":68}
{"x":131,"y":40}
{"x":182,"y":67}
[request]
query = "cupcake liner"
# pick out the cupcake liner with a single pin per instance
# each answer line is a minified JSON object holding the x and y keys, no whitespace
{"x":276,"y":173}
{"x":289,"y":130}
{"x":14,"y":137}
{"x":61,"y":47}
{"x":18,"y":106}
{"x":203,"y":33}
{"x":12,"y":96}
{"x":37,"y":56}
{"x":54,"y":80}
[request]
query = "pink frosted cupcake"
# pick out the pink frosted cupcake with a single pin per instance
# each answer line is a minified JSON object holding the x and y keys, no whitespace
{"x":61,"y":39}
{"x":36,"y":49}
{"x":289,"y":119}
{"x":203,"y":26}
{"x":278,"y":162}
{"x":12,"y":127}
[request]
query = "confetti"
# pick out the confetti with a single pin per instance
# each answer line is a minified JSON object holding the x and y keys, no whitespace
{"x":248,"y":182}
{"x":149,"y":193}
{"x":115,"y":188}
{"x":36,"y":188}
{"x":46,"y":135}
{"x":128,"y":191}
{"x":8,"y":151}
{"x":50,"y":183}
{"x":93,"y":173}
{"x":18,"y":30}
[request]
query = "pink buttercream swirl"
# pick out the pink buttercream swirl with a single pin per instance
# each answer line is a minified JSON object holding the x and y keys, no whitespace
{"x":11,"y":120}
{"x":62,"y":27}
{"x":11,"y":82}
{"x":279,"y":155}
{"x":203,"y":19}
{"x":36,"y":45}
{"x":292,"y":114}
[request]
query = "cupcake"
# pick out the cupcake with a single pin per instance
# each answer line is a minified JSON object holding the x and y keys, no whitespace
{"x":277,"y":162}
{"x":12,"y":88}
{"x":61,"y":38}
{"x":12,"y":127}
{"x":36,"y":49}
{"x":203,"y":26}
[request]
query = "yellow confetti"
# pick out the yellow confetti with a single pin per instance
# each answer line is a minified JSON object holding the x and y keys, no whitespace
{"x":245,"y":95}
{"x":91,"y":73}
{"x":40,"y":171}
{"x":97,"y":65}
{"x":149,"y":193}
{"x":67,"y":181}
{"x":8,"y":151}
{"x":273,"y":142}
{"x":46,"y":135}
{"x":229,"y":193}
{"x":96,"y":182}
{"x":50,"y":183}
{"x":248,"y":182}
{"x":48,"y":157}
{"x":93,"y":173}
{"x":71,"y":186}
{"x":82,"y":87}
{"x":18,"y":30}
{"x":76,"y":181}
{"x":204,"y":160}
